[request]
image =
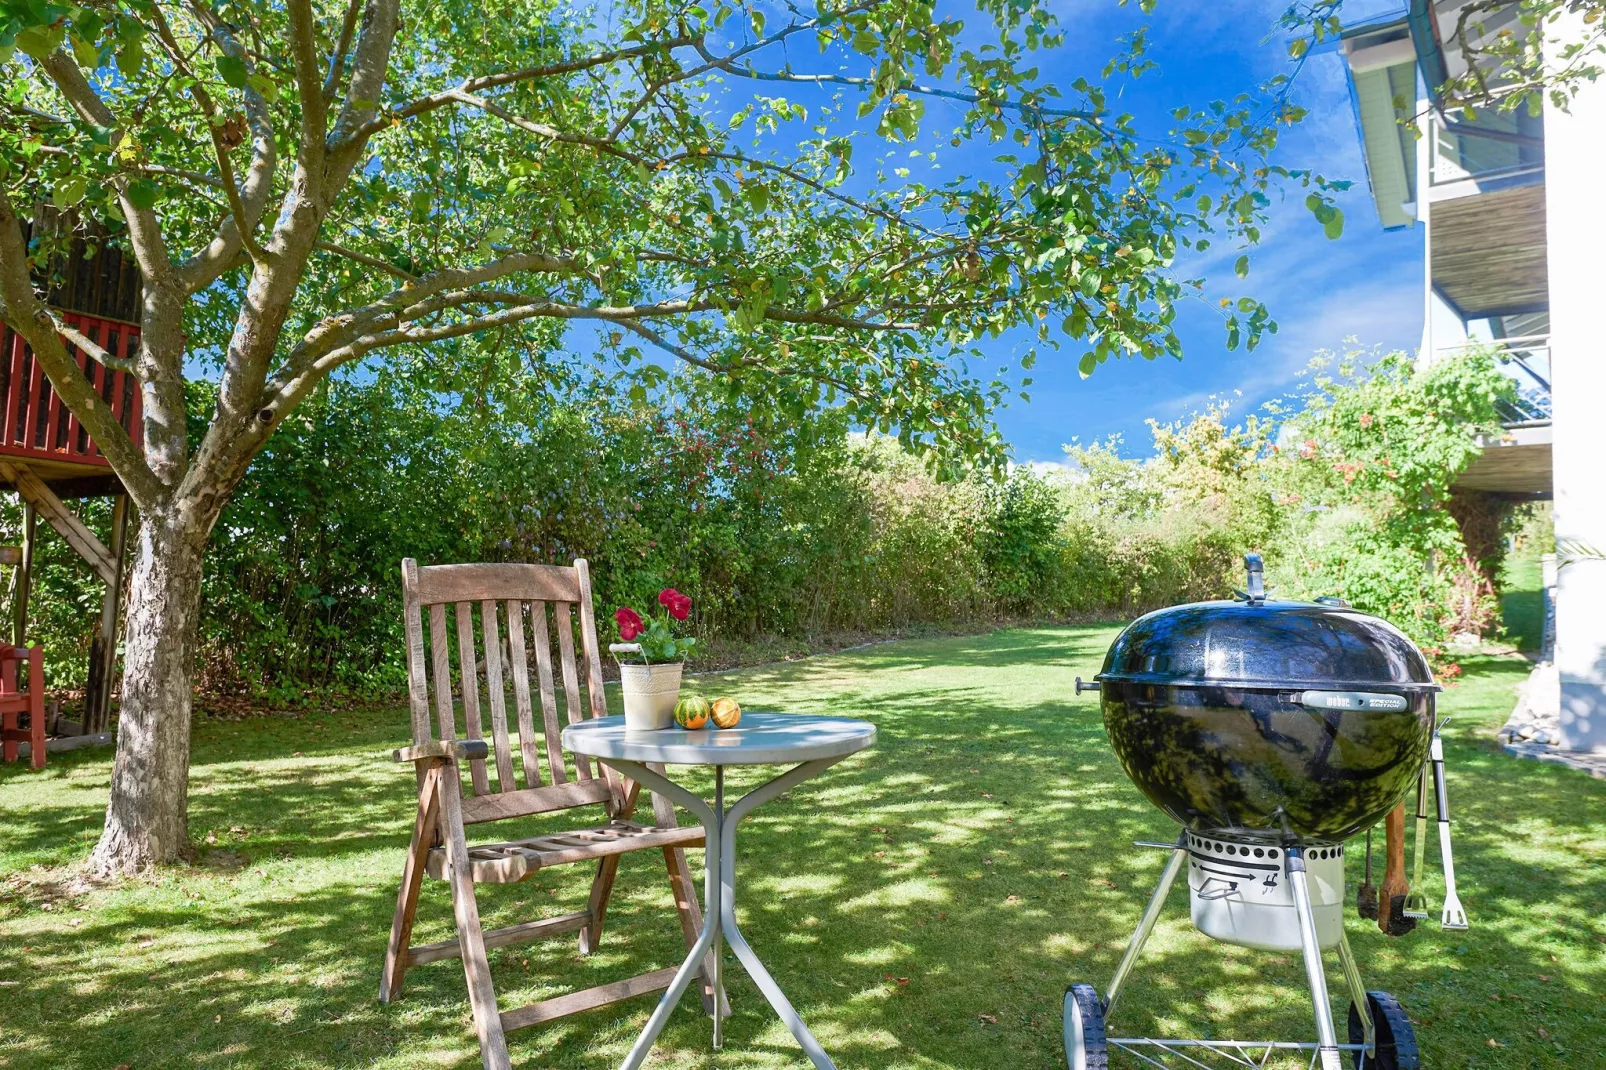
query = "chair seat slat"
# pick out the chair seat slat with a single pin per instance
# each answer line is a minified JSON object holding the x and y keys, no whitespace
{"x":510,"y":862}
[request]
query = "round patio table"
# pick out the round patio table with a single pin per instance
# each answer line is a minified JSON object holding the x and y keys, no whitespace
{"x":809,"y":744}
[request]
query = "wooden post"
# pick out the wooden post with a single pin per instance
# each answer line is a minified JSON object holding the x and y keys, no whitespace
{"x":24,"y":576}
{"x":103,"y":650}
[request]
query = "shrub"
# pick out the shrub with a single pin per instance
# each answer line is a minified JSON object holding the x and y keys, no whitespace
{"x":780,"y":523}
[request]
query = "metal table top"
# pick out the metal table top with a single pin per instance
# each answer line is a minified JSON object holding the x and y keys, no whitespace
{"x":760,"y":739}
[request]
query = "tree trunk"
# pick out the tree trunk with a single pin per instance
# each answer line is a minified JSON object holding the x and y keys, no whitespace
{"x":147,"y":817}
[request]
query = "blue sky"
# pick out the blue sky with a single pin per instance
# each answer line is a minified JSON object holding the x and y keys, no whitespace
{"x":1367,"y":284}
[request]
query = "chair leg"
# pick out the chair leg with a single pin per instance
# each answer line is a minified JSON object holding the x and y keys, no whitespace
{"x":470,"y":937}
{"x":684,"y":888}
{"x":36,"y":708}
{"x":601,"y":893}
{"x":401,"y":925}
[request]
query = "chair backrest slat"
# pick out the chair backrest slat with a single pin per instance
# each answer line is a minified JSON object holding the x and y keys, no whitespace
{"x":497,"y":806}
{"x":520,"y":668}
{"x":549,"y":702}
{"x":493,"y":685}
{"x":443,"y":673}
{"x":417,"y":684}
{"x":571,"y":678}
{"x":469,"y":583}
{"x":588,"y":638}
{"x":473,"y":727}
{"x":512,"y":589}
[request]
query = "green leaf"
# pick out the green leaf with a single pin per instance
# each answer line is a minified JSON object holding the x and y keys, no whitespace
{"x":143,"y":194}
{"x":1086,"y":365}
{"x":131,"y":57}
{"x":84,"y":52}
{"x":264,"y":85}
{"x":1334,"y":226}
{"x":232,"y":70}
{"x":69,"y":191}
{"x":41,"y":42}
{"x":1241,"y":267}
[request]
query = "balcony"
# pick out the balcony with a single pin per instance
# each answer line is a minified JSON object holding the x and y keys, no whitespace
{"x":1494,"y":150}
{"x":1517,"y":461}
{"x":1486,"y":213}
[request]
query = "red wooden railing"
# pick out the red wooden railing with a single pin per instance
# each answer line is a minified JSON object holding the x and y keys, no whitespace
{"x":35,"y":424}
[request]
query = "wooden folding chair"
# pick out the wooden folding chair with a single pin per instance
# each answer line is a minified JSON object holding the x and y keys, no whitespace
{"x":14,"y":703}
{"x":518,"y":598}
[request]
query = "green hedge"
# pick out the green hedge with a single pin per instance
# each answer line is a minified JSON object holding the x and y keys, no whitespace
{"x":786,"y":524}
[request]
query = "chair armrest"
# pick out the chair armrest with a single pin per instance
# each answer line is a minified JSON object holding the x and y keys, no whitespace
{"x":443,"y":748}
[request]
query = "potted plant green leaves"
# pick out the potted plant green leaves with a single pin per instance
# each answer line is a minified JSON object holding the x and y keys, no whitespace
{"x":651,"y":660}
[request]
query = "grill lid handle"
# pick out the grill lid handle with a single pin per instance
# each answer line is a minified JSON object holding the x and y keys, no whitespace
{"x":1256,"y":591}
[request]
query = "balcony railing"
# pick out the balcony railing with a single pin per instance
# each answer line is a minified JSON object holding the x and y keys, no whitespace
{"x":35,"y":425}
{"x":1494,"y":145}
{"x":1527,"y":361}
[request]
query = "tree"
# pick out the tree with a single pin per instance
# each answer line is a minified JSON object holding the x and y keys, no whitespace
{"x":448,"y":171}
{"x":1510,"y":53}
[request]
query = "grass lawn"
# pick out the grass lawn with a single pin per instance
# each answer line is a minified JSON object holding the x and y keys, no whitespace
{"x":1522,"y":601}
{"x":924,"y":904}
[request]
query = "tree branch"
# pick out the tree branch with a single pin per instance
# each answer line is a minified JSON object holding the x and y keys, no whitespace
{"x":22,"y":310}
{"x":337,"y":55}
{"x":604,"y":145}
{"x":363,"y":258}
{"x":201,"y":270}
{"x":314,"y":106}
{"x":430,"y":103}
{"x":144,"y":232}
{"x":83,"y":342}
{"x":912,"y":87}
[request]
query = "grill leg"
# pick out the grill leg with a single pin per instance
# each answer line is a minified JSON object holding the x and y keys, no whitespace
{"x":1151,"y":914}
{"x":1357,"y":991}
{"x":1326,"y":1037}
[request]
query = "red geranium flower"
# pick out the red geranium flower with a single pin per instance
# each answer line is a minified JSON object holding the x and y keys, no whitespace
{"x":679,"y":605}
{"x":629,"y":622}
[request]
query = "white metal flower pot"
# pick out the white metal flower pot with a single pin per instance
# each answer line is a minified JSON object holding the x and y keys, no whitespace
{"x":650,"y":692}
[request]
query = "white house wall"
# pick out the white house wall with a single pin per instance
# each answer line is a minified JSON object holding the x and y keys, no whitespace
{"x":1576,"y":226}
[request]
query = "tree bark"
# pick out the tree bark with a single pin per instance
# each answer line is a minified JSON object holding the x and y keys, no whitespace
{"x":147,"y":816}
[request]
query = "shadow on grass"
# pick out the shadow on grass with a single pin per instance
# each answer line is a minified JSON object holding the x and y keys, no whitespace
{"x":924,"y":904}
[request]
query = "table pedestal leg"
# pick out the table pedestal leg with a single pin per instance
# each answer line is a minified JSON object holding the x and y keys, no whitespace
{"x":719,"y":911}
{"x":727,"y":905}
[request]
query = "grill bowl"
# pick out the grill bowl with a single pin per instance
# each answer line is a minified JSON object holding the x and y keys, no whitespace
{"x":1209,"y":709}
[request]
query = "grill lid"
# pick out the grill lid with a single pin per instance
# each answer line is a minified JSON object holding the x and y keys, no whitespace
{"x":1256,"y":642}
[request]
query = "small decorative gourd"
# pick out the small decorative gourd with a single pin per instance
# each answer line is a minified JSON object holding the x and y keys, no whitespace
{"x":725,"y":712}
{"x":692,"y":711}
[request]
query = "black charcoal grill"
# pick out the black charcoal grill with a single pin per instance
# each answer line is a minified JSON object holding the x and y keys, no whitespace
{"x":1265,"y":720}
{"x":1271,"y":731}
